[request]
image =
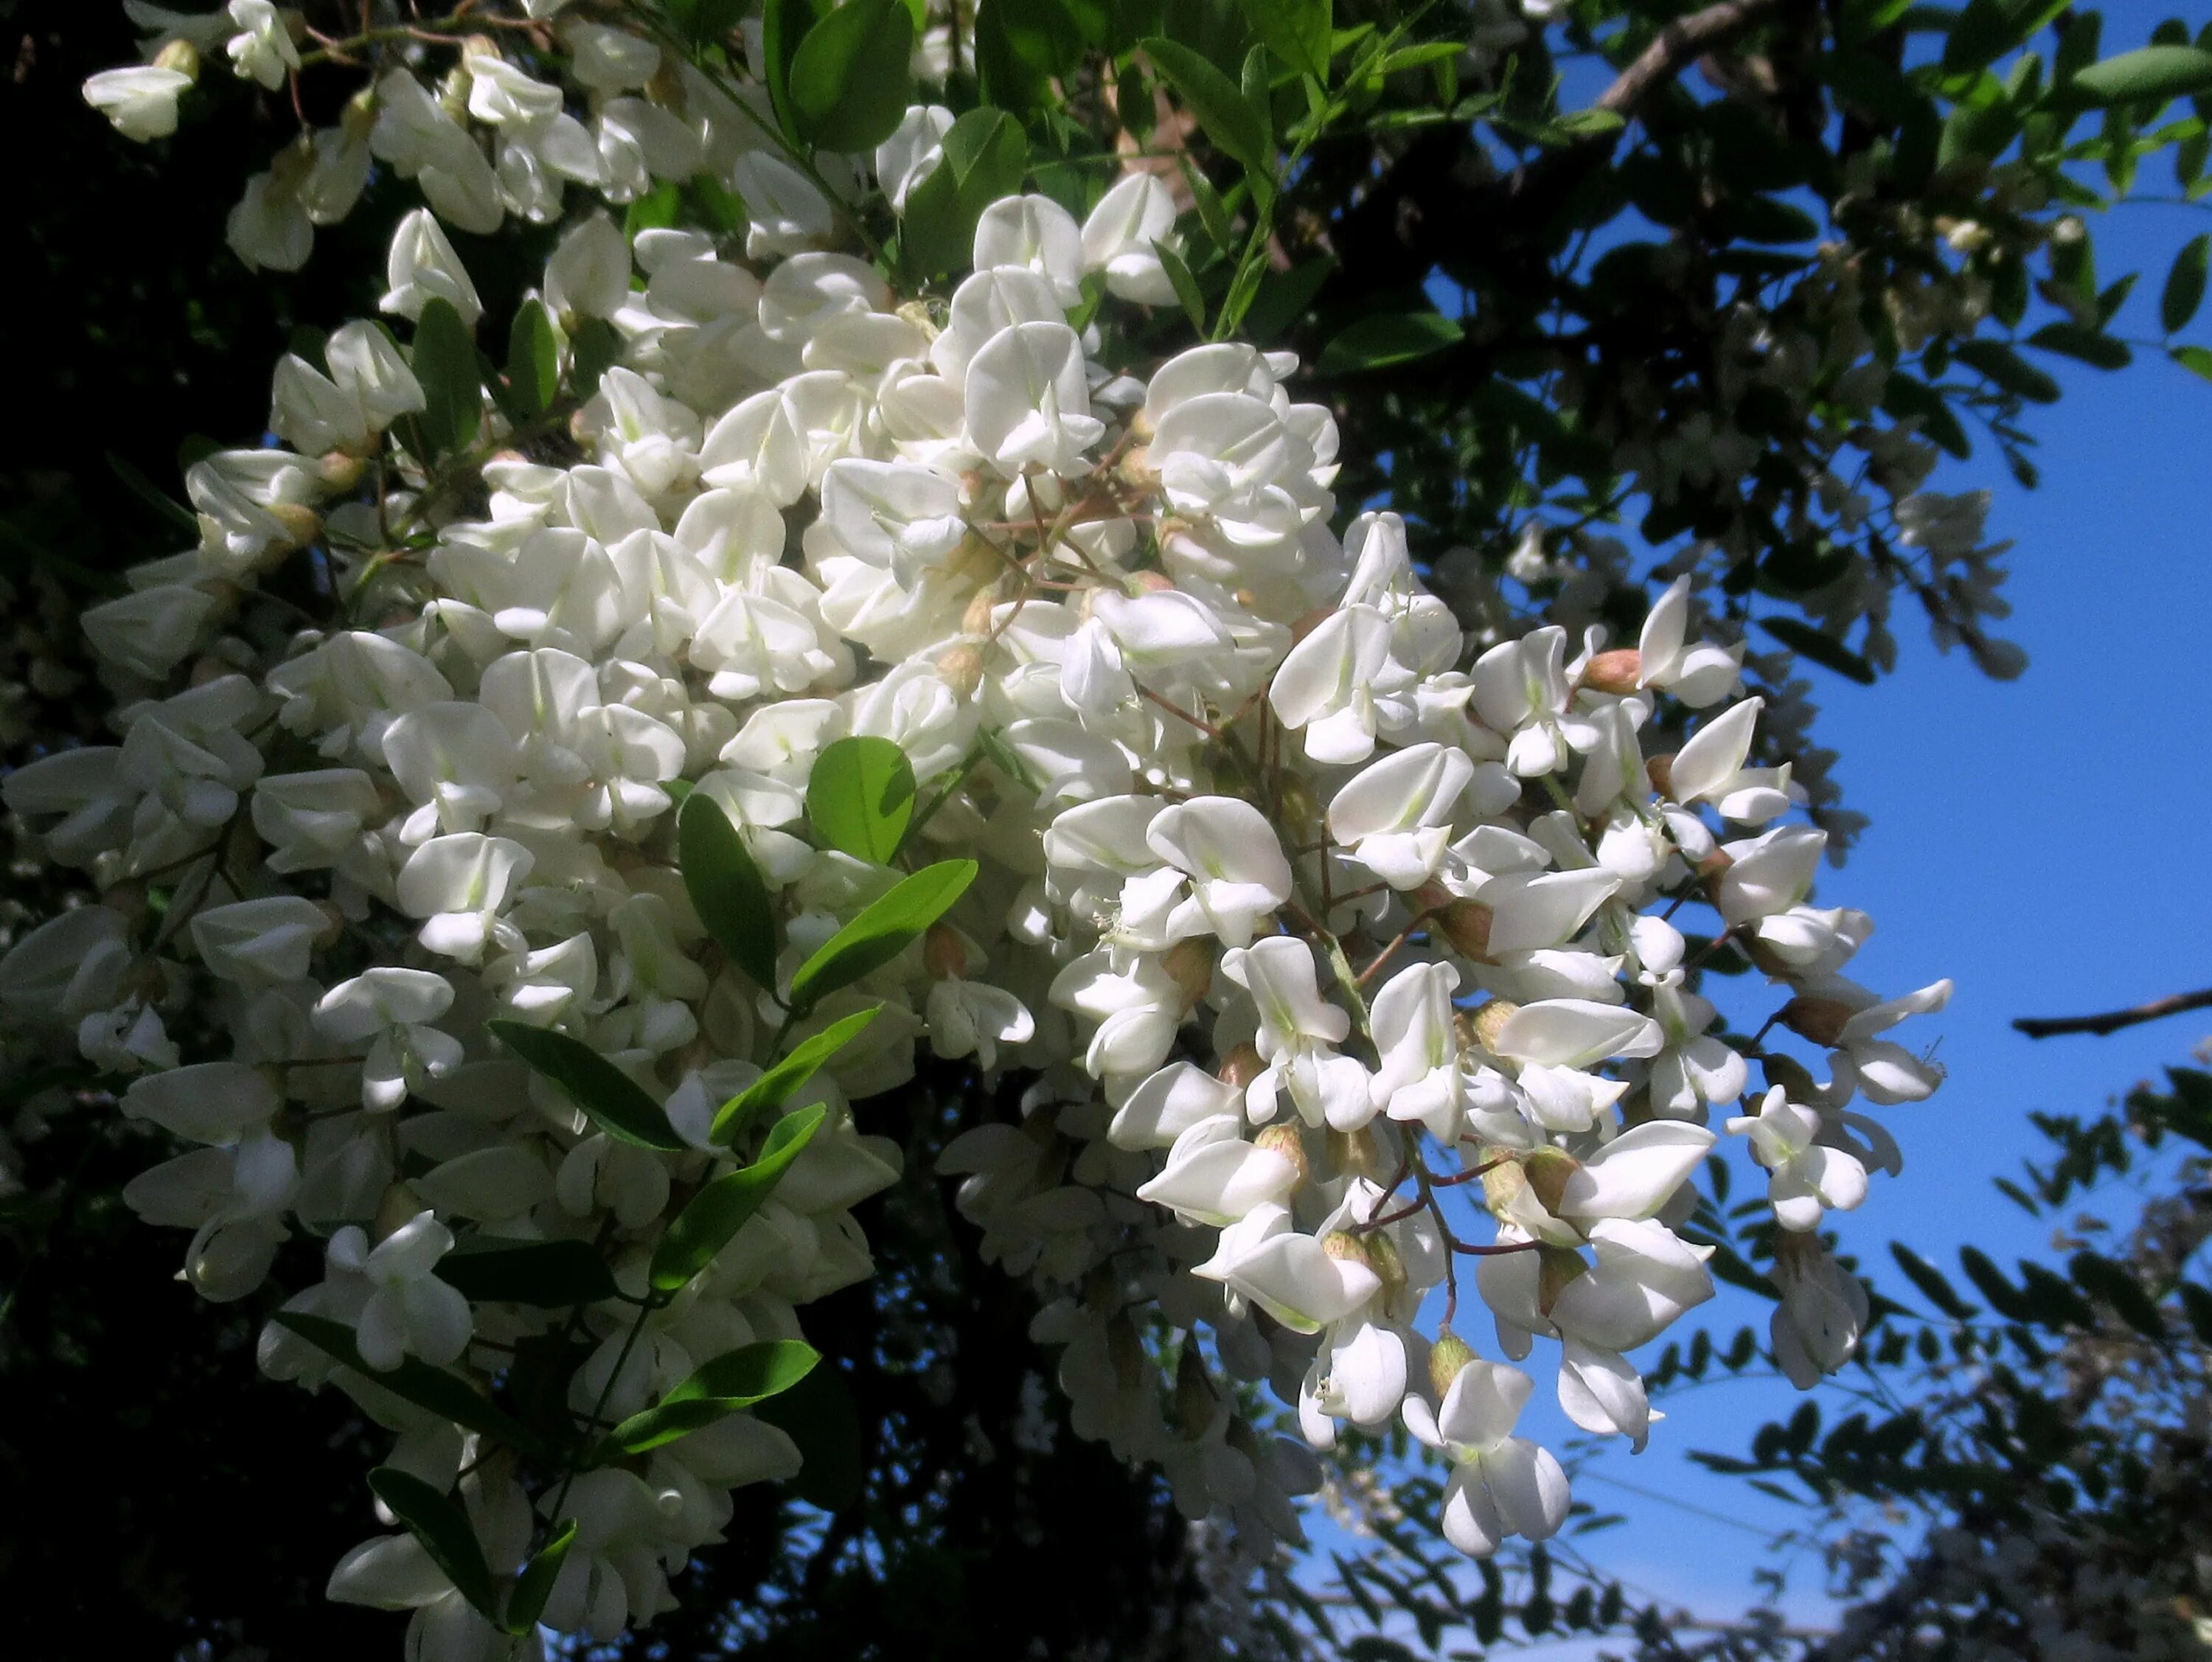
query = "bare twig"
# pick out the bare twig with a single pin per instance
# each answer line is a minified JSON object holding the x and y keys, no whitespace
{"x":2111,"y":1021}
{"x":1680,"y":43}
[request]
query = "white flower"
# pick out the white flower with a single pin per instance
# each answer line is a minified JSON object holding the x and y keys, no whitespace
{"x":1500,"y":1484}
{"x":262,"y":51}
{"x":140,"y":100}
{"x":1807,"y":1178}
{"x":1123,"y":235}
{"x":410,"y":1313}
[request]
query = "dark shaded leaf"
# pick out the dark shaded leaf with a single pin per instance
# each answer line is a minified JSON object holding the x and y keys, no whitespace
{"x":609,"y":1098}
{"x":548,"y":1274}
{"x":443,"y":1528}
{"x":1823,"y":649}
{"x":726,"y":887}
{"x":444,"y":362}
{"x":1391,"y":338}
{"x":442,"y":1391}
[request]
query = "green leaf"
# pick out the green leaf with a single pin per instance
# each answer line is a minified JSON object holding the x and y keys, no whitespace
{"x":2197,"y":360}
{"x":2184,"y":283}
{"x":2197,"y":1303}
{"x":1297,"y":31}
{"x":533,"y":362}
{"x":1389,"y":338}
{"x":527,"y":1602}
{"x":986,"y":156}
{"x":784,"y":28}
{"x":1284,"y":297}
{"x":444,"y":1530}
{"x":1825,"y":649}
{"x":860,"y":797}
{"x":1237,"y":128}
{"x":444,"y":362}
{"x":2149,"y":75}
{"x":882,"y":931}
{"x":1994,"y":1287}
{"x":734,"y":1380}
{"x":1184,"y":285}
{"x":154,"y":496}
{"x":726,"y":887}
{"x":2112,"y":1284}
{"x":594,"y":349}
{"x":548,"y":1274}
{"x":439,"y":1389}
{"x":849,"y":81}
{"x":2083,"y":343}
{"x":702,"y":21}
{"x":610,"y":1099}
{"x":1988,"y":29}
{"x":714,"y":1215}
{"x":2008,"y":369}
{"x":774,"y":1088}
{"x":1907,"y":399}
{"x":819,"y":1414}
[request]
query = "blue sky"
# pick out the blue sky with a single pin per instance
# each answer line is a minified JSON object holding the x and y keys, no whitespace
{"x":2043,"y":843}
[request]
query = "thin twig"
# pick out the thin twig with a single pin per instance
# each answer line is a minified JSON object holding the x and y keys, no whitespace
{"x":2111,"y":1021}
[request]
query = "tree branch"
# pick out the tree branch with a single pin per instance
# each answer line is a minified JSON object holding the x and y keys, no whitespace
{"x":2112,"y":1020}
{"x":1681,"y":42}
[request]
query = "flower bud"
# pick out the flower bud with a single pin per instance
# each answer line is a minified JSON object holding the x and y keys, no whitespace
{"x":666,"y":86}
{"x":302,"y":525}
{"x":976,"y":620}
{"x":179,"y":57}
{"x":1819,"y":1019}
{"x":916,"y":312}
{"x":359,"y":114}
{"x":1240,"y":1067}
{"x":1189,"y":964}
{"x":1547,"y":1170}
{"x":1490,"y":1020}
{"x":340,"y":471}
{"x":1150,"y":582}
{"x":1660,"y":771}
{"x":1347,"y":1248}
{"x":943,"y":954}
{"x":400,"y":1204}
{"x":1136,"y":467}
{"x":1446,"y":1356}
{"x":1302,"y":816}
{"x":1466,"y":924}
{"x":1617,"y":672}
{"x":1285,"y":1139}
{"x":1383,"y":1257}
{"x":1356,"y":1153}
{"x":962,"y":669}
{"x":1557,"y":1266}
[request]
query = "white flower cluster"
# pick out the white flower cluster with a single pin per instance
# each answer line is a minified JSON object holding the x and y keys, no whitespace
{"x":1328,"y":941}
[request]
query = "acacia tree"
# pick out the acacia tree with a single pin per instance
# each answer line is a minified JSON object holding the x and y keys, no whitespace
{"x":805,"y":639}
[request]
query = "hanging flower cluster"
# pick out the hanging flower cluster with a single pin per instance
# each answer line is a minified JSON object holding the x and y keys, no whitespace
{"x":545,"y":799}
